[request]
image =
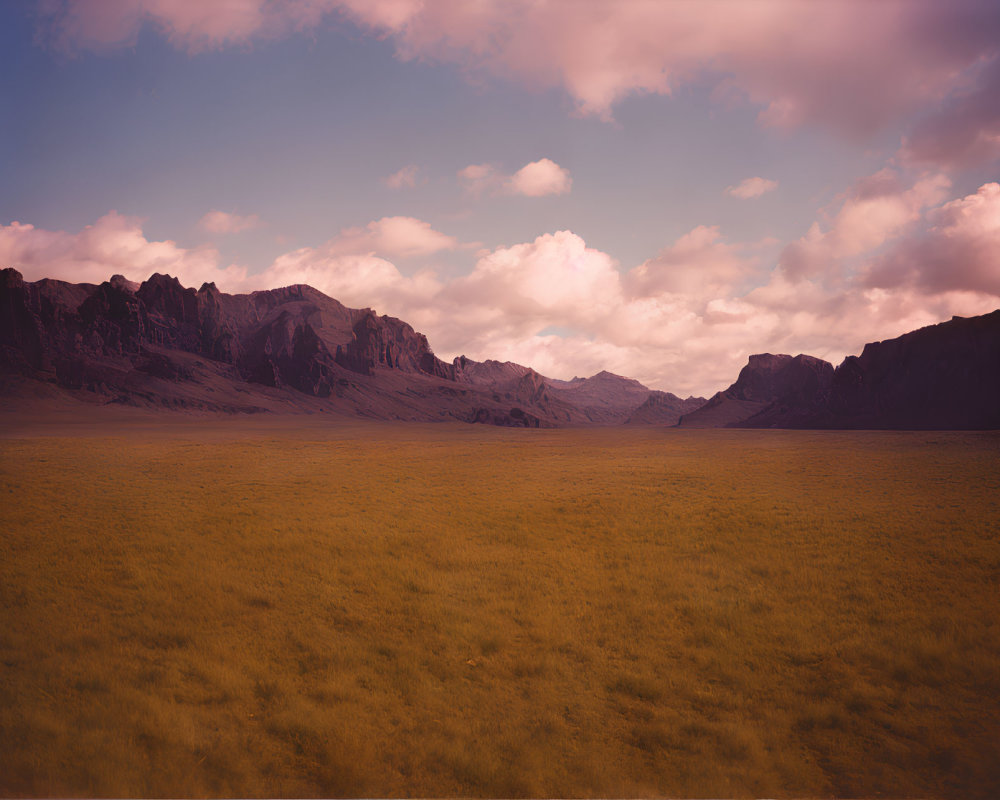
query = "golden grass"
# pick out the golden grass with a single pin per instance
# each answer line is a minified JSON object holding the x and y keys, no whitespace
{"x":254,"y":608}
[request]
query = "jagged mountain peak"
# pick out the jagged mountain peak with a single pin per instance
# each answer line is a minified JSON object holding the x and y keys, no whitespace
{"x":123,"y":284}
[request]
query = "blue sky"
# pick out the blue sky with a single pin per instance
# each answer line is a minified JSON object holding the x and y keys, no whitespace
{"x":127,"y":122}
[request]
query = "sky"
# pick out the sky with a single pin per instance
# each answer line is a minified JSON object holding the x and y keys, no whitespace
{"x":657,"y":188}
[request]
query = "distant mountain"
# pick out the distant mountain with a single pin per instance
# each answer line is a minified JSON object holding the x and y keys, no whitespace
{"x":942,"y":377}
{"x":603,"y":398}
{"x":159,"y":344}
{"x":663,"y":408}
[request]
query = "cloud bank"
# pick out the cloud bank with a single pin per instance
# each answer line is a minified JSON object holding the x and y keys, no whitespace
{"x":847,"y":66}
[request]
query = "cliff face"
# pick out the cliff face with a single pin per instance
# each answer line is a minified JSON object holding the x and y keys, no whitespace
{"x":391,"y":343}
{"x":944,"y":377}
{"x":295,"y":336}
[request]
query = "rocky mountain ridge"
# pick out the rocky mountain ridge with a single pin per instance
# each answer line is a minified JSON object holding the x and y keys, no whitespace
{"x":160,"y":344}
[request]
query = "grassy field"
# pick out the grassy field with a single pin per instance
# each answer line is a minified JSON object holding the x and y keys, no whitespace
{"x":297,"y":608}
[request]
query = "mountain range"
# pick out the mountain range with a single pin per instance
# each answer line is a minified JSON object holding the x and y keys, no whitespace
{"x":160,"y":345}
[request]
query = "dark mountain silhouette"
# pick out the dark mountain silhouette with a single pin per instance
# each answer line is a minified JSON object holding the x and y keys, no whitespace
{"x":159,"y":344}
{"x":942,"y":377}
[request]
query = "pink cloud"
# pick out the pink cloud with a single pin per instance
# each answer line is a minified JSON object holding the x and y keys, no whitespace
{"x":849,"y":66}
{"x":751,"y":187}
{"x":699,"y":264}
{"x":845,"y":65}
{"x":405,"y":178}
{"x":963,"y":132}
{"x":222,"y":222}
{"x":877,"y":209}
{"x":190,"y":25}
{"x":686,"y":320}
{"x":359,"y":280}
{"x":535,"y":179}
{"x":959,"y":252}
{"x":540,"y":178}
{"x":113,"y":244}
{"x":355,"y":266}
{"x":479,"y":178}
{"x":515,"y":292}
{"x":393,"y":237}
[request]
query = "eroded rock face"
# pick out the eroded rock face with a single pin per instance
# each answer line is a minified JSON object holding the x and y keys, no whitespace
{"x":945,"y":376}
{"x":23,"y":338}
{"x":287,"y":351}
{"x":487,"y":373}
{"x":218,"y":333}
{"x":145,"y":343}
{"x":114,"y":322}
{"x":386,"y":342}
{"x":294,"y":336}
{"x":532,"y":389}
{"x":172,"y":311}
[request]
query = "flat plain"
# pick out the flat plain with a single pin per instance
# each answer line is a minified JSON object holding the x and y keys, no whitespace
{"x":312,"y":606}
